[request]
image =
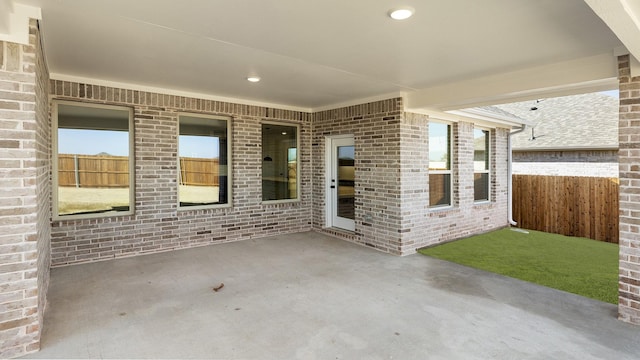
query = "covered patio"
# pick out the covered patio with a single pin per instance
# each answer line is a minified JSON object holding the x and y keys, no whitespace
{"x":310,"y":296}
{"x":321,"y":116}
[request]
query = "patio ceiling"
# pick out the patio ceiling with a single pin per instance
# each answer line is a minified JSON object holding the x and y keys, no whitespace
{"x":321,"y":53}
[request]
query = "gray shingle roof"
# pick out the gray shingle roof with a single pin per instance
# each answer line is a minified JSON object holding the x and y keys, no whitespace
{"x":493,"y":112}
{"x":499,"y":111}
{"x":576,"y":121}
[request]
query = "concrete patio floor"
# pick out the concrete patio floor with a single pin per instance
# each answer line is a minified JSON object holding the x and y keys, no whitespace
{"x":310,"y":296}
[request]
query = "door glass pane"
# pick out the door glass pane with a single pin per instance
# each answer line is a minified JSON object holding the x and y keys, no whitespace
{"x":346,"y":181}
{"x":292,"y":171}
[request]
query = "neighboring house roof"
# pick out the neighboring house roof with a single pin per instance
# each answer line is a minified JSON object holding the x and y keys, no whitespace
{"x":586,"y":121}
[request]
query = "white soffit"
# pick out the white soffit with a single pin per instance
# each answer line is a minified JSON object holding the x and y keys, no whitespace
{"x":476,"y":116}
{"x":323,"y":54}
{"x":595,"y":73}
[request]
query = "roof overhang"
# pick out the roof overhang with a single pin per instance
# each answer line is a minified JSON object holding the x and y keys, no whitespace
{"x":590,"y":74}
{"x":479,"y":115}
{"x":476,"y":116}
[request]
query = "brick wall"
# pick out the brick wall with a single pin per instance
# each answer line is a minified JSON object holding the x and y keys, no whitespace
{"x":24,"y":195}
{"x":392,"y":192}
{"x":392,"y":211}
{"x":423,"y":226}
{"x":597,"y":163}
{"x":157,"y":224}
{"x":629,"y":158}
{"x":414,"y":184}
{"x":376,"y":130}
{"x":43,"y":180}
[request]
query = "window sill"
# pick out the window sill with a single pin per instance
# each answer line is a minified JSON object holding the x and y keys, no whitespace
{"x":278,"y":202}
{"x":441,"y":208}
{"x":101,"y":215}
{"x":482,"y":202}
{"x":203,"y":207}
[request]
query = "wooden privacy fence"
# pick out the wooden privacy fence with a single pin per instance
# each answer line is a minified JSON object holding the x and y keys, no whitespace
{"x":98,"y":171}
{"x":567,"y":205}
{"x":199,"y":171}
{"x":93,"y":170}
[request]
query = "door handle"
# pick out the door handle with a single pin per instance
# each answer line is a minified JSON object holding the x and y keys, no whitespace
{"x":333,"y":186}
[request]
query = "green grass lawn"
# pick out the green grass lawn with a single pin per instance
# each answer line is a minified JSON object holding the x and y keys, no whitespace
{"x":578,"y":265}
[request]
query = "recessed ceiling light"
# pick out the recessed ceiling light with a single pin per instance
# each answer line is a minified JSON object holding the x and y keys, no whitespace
{"x":401,"y":13}
{"x":253,"y":78}
{"x":284,"y":133}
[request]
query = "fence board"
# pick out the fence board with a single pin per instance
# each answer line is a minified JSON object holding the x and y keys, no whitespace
{"x":66,"y":170}
{"x":93,"y":171}
{"x":97,"y":171}
{"x":567,"y":205}
{"x":199,"y":171}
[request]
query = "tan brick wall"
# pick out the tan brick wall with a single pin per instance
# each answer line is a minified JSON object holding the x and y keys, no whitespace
{"x":392,"y":192}
{"x":629,"y":158}
{"x":24,"y":195}
{"x":414,"y":165}
{"x":157,"y":224}
{"x":43,"y":182}
{"x":391,"y":187}
{"x":376,"y":130}
{"x":422,"y":226}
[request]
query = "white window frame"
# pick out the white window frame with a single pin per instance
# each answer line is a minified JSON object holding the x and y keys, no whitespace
{"x":444,"y":172}
{"x":486,"y":171}
{"x":298,"y":154}
{"x":54,"y":144}
{"x":229,"y":202}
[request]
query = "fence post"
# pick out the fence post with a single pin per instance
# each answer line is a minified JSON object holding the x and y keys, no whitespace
{"x":75,"y":170}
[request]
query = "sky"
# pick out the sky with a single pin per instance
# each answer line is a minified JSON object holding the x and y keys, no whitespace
{"x":198,"y":146}
{"x":93,"y":142}
{"x":116,"y":143}
{"x":612,"y":93}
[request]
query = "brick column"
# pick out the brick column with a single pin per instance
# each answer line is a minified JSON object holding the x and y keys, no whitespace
{"x":629,"y":158}
{"x":25,"y":213}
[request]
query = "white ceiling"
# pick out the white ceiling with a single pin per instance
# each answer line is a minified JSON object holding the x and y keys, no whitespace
{"x":313,"y":54}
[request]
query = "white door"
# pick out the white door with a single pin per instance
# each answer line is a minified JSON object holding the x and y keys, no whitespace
{"x":340,"y":182}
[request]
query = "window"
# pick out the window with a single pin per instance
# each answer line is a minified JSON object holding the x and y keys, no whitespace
{"x":439,"y":164}
{"x":203,"y":156}
{"x":480,"y":165}
{"x":280,"y":165}
{"x":92,"y":160}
